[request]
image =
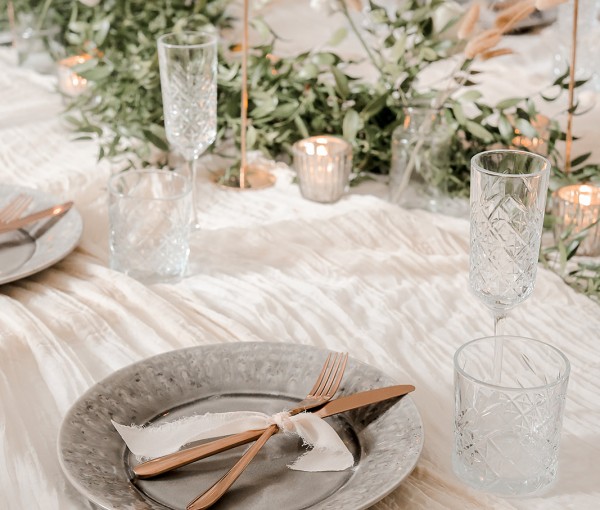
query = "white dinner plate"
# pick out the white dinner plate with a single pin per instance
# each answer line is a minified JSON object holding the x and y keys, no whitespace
{"x":385,"y":439}
{"x":38,"y":246}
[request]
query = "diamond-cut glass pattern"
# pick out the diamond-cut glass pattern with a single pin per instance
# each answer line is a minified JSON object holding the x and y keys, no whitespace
{"x":507,"y":213}
{"x":188,"y":77}
{"x":504,"y":442}
{"x":507,"y":439}
{"x":149,"y":225}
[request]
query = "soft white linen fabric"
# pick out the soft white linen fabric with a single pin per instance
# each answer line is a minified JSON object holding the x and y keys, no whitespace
{"x":385,"y":284}
{"x":327,"y":450}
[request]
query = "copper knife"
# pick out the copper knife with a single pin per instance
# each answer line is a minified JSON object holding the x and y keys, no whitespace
{"x":51,"y":212}
{"x":181,"y":458}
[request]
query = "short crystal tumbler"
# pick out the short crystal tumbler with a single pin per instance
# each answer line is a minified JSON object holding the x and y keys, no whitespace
{"x":507,"y":433}
{"x":150,"y":213}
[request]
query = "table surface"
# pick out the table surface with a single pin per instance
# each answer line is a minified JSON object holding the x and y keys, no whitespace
{"x":388,"y":285}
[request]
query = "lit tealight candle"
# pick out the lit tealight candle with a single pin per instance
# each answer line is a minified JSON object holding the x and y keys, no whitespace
{"x":535,"y":144}
{"x":577,"y":207}
{"x":69,"y":82}
{"x":323,"y":164}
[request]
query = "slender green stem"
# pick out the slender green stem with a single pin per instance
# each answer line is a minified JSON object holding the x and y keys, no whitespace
{"x":43,"y":14}
{"x":425,"y":128}
{"x":356,"y":31}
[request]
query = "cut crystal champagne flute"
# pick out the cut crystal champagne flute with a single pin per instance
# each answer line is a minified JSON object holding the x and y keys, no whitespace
{"x":188,"y":77}
{"x":508,"y":198}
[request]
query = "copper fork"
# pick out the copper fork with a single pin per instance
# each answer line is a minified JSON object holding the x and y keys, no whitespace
{"x":324,"y":389}
{"x":15,"y":208}
{"x":175,"y":460}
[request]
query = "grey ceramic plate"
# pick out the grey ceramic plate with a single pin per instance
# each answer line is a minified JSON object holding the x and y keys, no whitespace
{"x":386,"y":440}
{"x":32,"y":249}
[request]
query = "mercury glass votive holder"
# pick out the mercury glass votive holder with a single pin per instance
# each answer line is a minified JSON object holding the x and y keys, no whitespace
{"x":69,"y":82}
{"x":323,"y":164}
{"x":577,"y":207}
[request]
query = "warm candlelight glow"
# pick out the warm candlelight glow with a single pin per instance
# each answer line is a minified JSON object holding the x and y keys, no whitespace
{"x":323,"y":164}
{"x":585,"y":195}
{"x":535,"y":144}
{"x":321,"y":150}
{"x":69,"y":82}
{"x":577,"y":207}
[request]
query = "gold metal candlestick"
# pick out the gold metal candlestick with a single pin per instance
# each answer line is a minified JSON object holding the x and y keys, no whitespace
{"x":251,"y":177}
{"x":12,"y":23}
{"x":569,"y":137}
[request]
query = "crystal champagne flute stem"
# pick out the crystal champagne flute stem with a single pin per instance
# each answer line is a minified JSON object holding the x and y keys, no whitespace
{"x":192,"y":163}
{"x":500,"y":317}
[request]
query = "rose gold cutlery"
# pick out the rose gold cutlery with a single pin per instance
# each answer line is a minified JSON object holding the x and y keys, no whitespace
{"x":322,"y":392}
{"x":51,"y":212}
{"x":325,"y":387}
{"x":340,"y":405}
{"x":15,"y":208}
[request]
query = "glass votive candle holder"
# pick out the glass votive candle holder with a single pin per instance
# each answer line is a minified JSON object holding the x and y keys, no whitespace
{"x":69,"y":82}
{"x":577,"y":207}
{"x":150,"y":212}
{"x":323,"y":165}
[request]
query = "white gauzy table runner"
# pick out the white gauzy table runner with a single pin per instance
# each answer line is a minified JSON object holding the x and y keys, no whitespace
{"x":385,"y":284}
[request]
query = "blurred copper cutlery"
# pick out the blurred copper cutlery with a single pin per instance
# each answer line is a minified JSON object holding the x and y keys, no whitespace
{"x":327,"y":384}
{"x":51,"y":212}
{"x":15,"y":208}
{"x":339,"y":405}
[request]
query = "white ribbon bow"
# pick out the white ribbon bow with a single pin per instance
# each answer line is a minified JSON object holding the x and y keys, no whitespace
{"x":328,"y":453}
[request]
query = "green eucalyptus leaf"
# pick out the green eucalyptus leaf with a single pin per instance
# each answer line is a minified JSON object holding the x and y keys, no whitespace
{"x":506,"y":130}
{"x":338,"y":36}
{"x":341,"y":82}
{"x":509,"y":103}
{"x":580,"y":159}
{"x":308,"y":71}
{"x":459,"y":114}
{"x":525,"y":128}
{"x":470,"y":95}
{"x":374,"y":106}
{"x":101,"y":31}
{"x":478,"y":131}
{"x":85,"y":66}
{"x":261,"y":27}
{"x":153,"y":137}
{"x":323,"y":59}
{"x":251,"y":137}
{"x":301,"y":127}
{"x":429,"y":54}
{"x":352,"y":123}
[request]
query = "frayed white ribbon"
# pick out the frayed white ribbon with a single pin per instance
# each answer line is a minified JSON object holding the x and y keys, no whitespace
{"x":328,"y":452}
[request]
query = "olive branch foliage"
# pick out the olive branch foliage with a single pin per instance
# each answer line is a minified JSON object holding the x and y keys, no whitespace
{"x":314,"y":92}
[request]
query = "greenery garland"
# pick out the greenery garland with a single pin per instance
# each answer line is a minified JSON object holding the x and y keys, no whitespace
{"x":294,"y":97}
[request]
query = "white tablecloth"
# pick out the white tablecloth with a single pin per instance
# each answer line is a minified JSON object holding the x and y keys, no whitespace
{"x":385,"y":284}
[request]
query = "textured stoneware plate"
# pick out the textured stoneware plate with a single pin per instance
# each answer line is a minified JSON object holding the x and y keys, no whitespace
{"x":34,"y":248}
{"x":386,"y":440}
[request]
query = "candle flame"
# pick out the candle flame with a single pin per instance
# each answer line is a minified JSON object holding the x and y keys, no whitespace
{"x":585,"y":195}
{"x":321,"y":150}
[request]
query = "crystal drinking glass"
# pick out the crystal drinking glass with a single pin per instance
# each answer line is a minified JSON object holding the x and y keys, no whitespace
{"x":188,"y":78}
{"x":150,"y":212}
{"x":508,"y":198}
{"x":507,"y":435}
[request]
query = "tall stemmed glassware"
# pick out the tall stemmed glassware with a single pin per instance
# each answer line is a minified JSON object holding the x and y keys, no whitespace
{"x":508,"y":197}
{"x":188,"y":78}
